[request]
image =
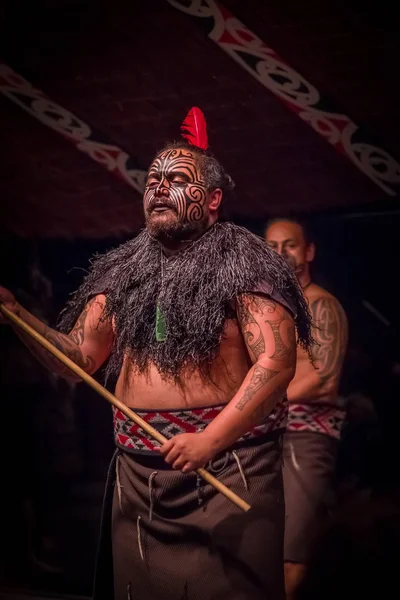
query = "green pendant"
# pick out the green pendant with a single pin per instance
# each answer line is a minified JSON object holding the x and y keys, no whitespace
{"x":161,"y":330}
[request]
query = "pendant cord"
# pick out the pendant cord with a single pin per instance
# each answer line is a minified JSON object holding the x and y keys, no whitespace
{"x":160,"y":320}
{"x":161,"y":273}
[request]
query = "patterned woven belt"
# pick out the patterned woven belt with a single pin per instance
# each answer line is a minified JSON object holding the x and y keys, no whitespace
{"x":130,"y":436}
{"x":317,"y":418}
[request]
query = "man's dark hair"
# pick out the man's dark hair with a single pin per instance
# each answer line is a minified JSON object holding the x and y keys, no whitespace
{"x":211,"y":169}
{"x":307,"y":230}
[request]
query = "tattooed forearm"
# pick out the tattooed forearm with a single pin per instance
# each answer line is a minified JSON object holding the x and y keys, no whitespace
{"x":262,"y":411}
{"x":330,"y":332}
{"x":70,"y":349}
{"x":65,"y":345}
{"x":259,"y":379}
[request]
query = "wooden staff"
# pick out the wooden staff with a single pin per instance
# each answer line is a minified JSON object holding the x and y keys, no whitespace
{"x":117,"y":403}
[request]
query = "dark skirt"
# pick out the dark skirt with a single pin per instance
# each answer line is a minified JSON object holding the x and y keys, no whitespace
{"x":309,"y":461}
{"x":174,"y":537}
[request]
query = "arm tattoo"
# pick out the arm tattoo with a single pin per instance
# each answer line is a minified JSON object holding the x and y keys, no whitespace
{"x":254,"y":341}
{"x":65,"y":345}
{"x":262,"y":411}
{"x":68,"y":345}
{"x":70,"y":349}
{"x":78,"y":332}
{"x":252,"y":331}
{"x":259,"y":379}
{"x":283,"y":352}
{"x":330,"y":327}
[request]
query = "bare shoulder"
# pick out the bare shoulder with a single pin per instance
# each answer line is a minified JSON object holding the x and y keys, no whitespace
{"x":330,"y":331}
{"x":318,"y":296}
{"x":329,"y":318}
{"x":315,"y":291}
{"x":98,"y":302}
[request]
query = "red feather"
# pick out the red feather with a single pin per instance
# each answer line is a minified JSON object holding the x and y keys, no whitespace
{"x":194,"y":128}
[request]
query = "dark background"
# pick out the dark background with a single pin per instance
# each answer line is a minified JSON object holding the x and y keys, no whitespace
{"x":132,"y":71}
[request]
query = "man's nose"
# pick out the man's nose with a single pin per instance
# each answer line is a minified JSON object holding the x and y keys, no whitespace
{"x":162,"y":189}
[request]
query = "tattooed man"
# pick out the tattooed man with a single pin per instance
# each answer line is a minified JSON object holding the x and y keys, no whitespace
{"x":315,"y":420}
{"x":197,"y":319}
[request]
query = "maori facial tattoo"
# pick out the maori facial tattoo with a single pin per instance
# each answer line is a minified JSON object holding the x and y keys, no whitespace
{"x":297,"y":267}
{"x":175,"y":195}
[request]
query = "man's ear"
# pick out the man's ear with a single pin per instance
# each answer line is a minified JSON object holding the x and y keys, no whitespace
{"x":310,"y":252}
{"x":215,"y":199}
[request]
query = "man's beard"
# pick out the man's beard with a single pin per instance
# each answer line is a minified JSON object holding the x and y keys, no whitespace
{"x":173,"y":229}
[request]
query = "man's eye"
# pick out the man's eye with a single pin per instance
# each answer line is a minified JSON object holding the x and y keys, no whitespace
{"x":152,"y":182}
{"x":179,"y":180}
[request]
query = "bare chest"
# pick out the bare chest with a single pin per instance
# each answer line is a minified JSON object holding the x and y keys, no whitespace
{"x":152,"y":390}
